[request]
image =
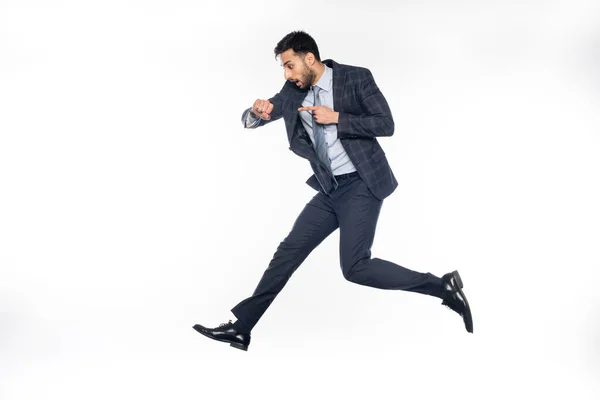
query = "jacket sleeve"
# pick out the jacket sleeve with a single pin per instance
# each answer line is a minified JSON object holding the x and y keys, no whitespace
{"x":376,"y":119}
{"x":251,"y":121}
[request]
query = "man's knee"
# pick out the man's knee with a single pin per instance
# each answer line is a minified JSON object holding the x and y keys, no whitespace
{"x":349,"y":269}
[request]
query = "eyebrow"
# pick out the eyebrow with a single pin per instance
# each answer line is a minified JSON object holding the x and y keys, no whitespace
{"x":288,"y":61}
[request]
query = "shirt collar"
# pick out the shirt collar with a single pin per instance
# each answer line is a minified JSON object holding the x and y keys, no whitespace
{"x":325,"y":80}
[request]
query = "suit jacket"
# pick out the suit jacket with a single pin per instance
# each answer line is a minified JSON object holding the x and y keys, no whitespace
{"x":364,"y":115}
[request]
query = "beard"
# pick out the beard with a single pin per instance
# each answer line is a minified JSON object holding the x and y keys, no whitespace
{"x":307,"y":77}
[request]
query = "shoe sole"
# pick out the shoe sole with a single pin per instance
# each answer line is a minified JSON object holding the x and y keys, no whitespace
{"x":459,"y":282}
{"x":232,"y":344}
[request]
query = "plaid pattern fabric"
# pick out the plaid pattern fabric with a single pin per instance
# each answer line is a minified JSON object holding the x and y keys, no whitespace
{"x":364,"y":116}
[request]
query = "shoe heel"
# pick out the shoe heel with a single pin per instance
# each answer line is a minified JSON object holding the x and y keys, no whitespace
{"x":459,"y":281}
{"x":239,"y":346}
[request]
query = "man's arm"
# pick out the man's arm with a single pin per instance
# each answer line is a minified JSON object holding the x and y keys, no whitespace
{"x":376,"y":119}
{"x":251,"y":121}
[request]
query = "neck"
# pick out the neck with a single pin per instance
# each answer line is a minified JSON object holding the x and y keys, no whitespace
{"x":320,"y":69}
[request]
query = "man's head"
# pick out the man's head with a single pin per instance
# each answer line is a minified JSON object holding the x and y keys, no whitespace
{"x":300,"y":58}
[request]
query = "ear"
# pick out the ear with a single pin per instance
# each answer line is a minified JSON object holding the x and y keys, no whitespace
{"x":310,"y":58}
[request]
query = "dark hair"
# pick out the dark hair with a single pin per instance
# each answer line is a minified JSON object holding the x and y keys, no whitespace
{"x":300,"y":42}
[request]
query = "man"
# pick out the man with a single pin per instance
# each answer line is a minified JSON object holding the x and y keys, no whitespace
{"x":333,"y":115}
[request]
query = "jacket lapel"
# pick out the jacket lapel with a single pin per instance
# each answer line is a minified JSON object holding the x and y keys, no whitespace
{"x":292,"y":115}
{"x":339,"y":77}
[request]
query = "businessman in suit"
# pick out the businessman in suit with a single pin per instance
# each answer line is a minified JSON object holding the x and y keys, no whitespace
{"x":333,"y":115}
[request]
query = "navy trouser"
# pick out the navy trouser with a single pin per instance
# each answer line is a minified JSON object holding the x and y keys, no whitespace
{"x":353,"y":208}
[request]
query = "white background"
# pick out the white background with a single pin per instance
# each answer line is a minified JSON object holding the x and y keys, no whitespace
{"x":134,"y":204}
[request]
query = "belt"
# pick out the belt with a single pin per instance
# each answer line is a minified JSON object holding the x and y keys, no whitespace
{"x":346,"y":176}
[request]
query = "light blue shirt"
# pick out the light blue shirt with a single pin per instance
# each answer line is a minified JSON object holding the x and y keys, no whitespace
{"x":340,"y":162}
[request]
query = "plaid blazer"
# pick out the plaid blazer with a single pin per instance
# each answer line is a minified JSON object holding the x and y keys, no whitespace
{"x":364,"y":115}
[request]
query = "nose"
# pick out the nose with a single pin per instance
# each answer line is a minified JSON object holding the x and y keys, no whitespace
{"x":286,"y":74}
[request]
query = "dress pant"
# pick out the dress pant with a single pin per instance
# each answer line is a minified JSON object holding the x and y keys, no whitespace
{"x":355,"y":210}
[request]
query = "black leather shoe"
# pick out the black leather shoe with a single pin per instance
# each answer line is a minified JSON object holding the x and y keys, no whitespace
{"x":226,"y":333}
{"x":455,"y":299}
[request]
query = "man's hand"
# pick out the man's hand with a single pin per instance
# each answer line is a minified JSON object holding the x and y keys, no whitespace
{"x":322,"y":114}
{"x":262,"y":109}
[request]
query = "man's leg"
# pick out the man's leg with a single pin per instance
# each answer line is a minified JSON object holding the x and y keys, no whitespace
{"x":358,"y":211}
{"x":316,"y":221}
